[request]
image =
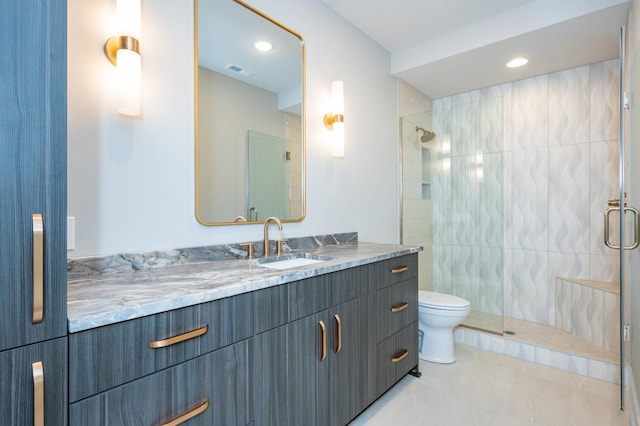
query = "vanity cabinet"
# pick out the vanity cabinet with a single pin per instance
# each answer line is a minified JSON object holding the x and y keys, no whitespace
{"x":33,"y":315}
{"x":318,"y":369}
{"x":316,"y":351}
{"x":396,"y":281}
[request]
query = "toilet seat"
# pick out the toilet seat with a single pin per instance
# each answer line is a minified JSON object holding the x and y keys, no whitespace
{"x":445,"y":302}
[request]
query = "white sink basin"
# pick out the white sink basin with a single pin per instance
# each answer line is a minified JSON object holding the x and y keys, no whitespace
{"x":292,"y":261}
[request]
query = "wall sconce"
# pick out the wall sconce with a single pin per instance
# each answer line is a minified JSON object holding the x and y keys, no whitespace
{"x":123,"y":51}
{"x":334,"y":120}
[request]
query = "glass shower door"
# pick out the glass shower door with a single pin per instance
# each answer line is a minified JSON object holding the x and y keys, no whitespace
{"x":452,"y":203}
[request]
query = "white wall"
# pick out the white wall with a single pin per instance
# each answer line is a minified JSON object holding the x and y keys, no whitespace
{"x":131,"y":181}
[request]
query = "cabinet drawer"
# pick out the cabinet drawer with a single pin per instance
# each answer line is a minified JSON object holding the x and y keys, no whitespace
{"x":393,"y":364}
{"x":392,"y":271}
{"x":109,"y":356}
{"x":396,"y":307}
{"x":220,"y":378}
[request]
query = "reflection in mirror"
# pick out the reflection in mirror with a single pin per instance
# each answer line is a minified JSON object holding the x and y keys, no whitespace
{"x":250,"y":146}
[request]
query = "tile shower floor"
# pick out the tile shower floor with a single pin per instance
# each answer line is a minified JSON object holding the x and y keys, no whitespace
{"x":487,"y":388}
{"x":540,"y":335}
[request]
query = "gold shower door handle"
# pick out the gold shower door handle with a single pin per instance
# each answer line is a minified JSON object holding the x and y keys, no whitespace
{"x":636,"y":227}
{"x":38,"y":268}
{"x":37,"y":370}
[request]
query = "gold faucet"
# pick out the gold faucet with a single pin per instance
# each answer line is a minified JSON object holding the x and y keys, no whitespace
{"x":266,"y":232}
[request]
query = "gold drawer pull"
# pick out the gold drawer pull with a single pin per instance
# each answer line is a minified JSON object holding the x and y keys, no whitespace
{"x":400,"y":356}
{"x":323,"y":341}
{"x":400,"y":270}
{"x":38,"y":268}
{"x":179,"y":338}
{"x":400,"y":307}
{"x":188,"y":415}
{"x":338,"y":333}
{"x":38,"y":393}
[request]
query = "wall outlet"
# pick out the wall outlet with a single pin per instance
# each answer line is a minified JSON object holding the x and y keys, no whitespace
{"x":71,"y":233}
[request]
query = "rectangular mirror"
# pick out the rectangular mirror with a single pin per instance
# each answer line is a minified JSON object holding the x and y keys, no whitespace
{"x":250,"y":136}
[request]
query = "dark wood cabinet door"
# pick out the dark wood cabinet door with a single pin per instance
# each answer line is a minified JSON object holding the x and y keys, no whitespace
{"x":25,"y":384}
{"x":269,"y":377}
{"x":32,"y":170}
{"x":305,"y":367}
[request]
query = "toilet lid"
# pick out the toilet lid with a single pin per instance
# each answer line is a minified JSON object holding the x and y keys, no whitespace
{"x":448,"y":302}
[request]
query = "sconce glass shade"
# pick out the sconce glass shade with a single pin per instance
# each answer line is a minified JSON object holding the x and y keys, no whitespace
{"x":338,"y":139}
{"x":334,"y":120}
{"x":124,"y":53}
{"x":129,"y":82}
{"x":129,"y":18}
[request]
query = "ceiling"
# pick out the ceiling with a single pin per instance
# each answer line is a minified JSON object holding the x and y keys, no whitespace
{"x":444,"y":47}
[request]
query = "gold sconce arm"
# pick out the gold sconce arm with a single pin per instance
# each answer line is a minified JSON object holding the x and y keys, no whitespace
{"x":116,"y":43}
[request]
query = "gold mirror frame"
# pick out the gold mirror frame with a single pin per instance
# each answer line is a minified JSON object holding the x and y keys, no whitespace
{"x":198,"y":188}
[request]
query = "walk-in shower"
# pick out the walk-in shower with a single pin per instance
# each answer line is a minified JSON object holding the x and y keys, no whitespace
{"x":507,"y":200}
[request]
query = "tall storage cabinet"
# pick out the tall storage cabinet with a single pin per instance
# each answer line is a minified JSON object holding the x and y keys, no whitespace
{"x":33,"y":316}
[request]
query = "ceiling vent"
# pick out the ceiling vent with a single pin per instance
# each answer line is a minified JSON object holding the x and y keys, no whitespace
{"x":238,"y":70}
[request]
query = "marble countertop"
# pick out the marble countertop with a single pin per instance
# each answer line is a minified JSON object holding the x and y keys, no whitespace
{"x":94,"y":301}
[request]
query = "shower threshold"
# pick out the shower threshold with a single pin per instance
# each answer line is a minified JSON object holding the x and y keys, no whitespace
{"x":542,"y":344}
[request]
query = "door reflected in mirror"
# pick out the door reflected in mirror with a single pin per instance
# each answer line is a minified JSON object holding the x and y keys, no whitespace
{"x":250,"y":136}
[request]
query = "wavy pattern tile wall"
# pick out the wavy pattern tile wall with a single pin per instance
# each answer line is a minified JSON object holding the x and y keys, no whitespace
{"x":546,"y":151}
{"x":589,"y":313}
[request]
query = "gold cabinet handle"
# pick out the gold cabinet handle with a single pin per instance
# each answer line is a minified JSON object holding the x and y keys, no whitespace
{"x":38,"y":268}
{"x":338,"y":332}
{"x":179,"y":338}
{"x":400,"y":307}
{"x":38,"y":393}
{"x":200,"y":408}
{"x":323,"y":341}
{"x":400,"y":356}
{"x":400,"y":270}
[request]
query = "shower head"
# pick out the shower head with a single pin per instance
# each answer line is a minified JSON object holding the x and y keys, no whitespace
{"x":427,"y":135}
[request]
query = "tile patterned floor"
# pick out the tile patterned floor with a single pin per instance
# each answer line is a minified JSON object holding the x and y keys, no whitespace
{"x":487,"y":388}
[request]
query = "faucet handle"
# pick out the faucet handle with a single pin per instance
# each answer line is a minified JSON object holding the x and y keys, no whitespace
{"x":249,"y":249}
{"x":279,"y":246}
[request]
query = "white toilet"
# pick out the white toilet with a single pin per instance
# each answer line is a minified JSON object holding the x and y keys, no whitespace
{"x":438,"y":314}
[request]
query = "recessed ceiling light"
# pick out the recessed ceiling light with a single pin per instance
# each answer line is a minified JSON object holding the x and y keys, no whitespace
{"x":263,"y":45}
{"x":517,"y":62}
